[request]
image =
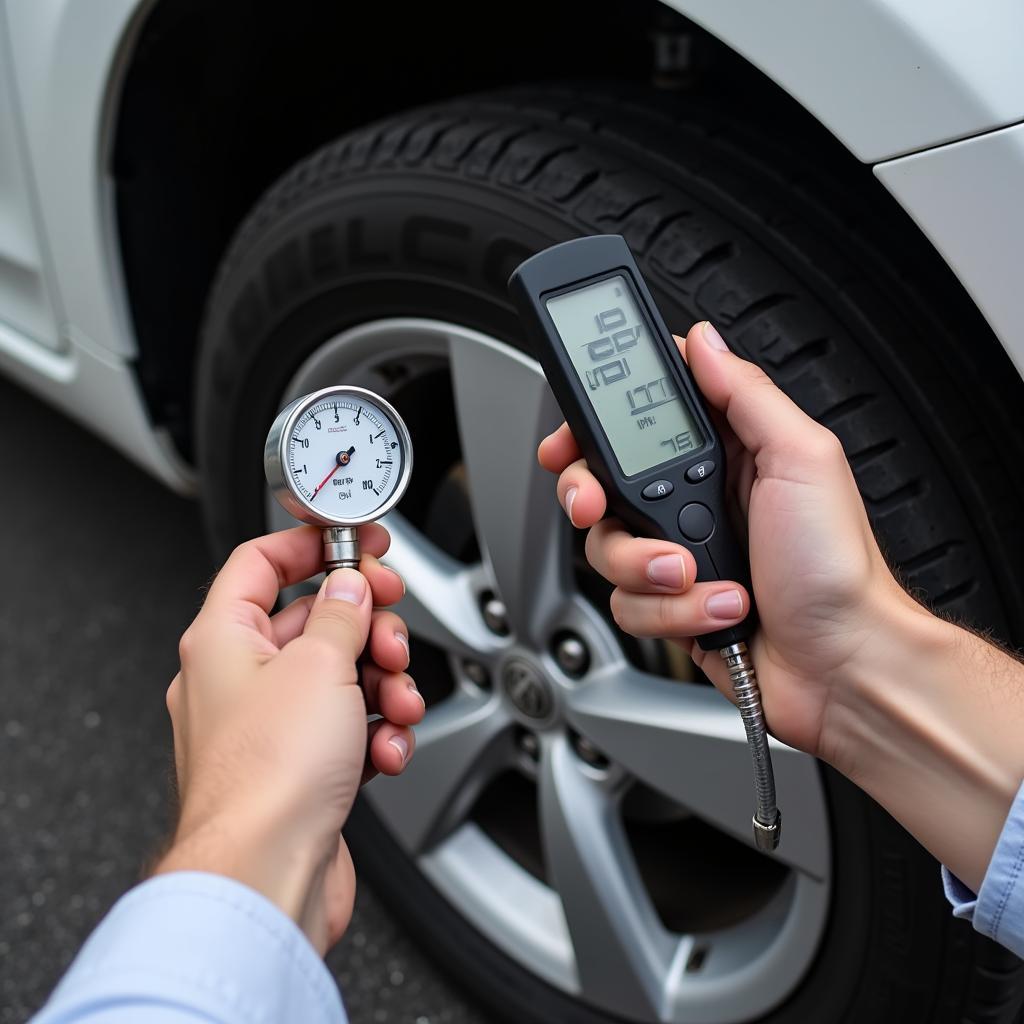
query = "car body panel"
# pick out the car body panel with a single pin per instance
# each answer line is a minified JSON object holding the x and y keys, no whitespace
{"x":66,"y":61}
{"x":99,"y":390}
{"x":886,"y":77}
{"x":27,"y":303}
{"x":966,"y":197}
{"x":63,"y":60}
{"x":936,"y":72}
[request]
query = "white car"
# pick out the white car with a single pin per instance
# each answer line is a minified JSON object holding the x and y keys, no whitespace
{"x":209,"y":207}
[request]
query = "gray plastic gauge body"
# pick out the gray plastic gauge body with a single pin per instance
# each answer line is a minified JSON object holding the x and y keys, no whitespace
{"x":641,"y":424}
{"x":362,"y":444}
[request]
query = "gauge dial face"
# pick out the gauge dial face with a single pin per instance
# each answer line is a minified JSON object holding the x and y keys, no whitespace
{"x":344,"y":456}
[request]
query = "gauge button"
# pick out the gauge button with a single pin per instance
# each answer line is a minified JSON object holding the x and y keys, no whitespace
{"x":696,"y":523}
{"x":658,"y":490}
{"x":700,"y":472}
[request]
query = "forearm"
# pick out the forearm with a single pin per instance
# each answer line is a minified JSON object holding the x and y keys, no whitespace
{"x":928,"y":721}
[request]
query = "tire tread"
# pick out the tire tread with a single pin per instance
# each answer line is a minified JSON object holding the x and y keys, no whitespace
{"x":681,"y":188}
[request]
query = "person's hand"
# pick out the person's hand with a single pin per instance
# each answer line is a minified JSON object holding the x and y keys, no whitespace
{"x":271,"y":739}
{"x":924,"y":716}
{"x":821,"y":583}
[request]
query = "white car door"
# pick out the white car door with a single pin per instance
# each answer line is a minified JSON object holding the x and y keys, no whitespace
{"x":26,"y":296}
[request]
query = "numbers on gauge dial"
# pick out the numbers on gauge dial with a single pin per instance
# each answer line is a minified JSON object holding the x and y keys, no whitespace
{"x":344,"y":457}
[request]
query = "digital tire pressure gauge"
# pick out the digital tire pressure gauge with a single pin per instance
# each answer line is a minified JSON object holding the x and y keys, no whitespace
{"x":336,"y":459}
{"x":642,"y":426}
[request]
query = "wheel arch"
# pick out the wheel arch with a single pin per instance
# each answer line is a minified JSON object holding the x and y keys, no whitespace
{"x":215,"y":101}
{"x":937,"y":74}
{"x":192,"y":152}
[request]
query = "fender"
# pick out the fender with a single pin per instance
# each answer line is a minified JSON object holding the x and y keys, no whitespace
{"x":886,"y":77}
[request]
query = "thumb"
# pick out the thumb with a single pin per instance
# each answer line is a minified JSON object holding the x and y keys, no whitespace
{"x":762,"y":417}
{"x":341,"y":613}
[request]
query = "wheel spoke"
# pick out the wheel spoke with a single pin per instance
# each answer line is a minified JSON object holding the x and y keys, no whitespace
{"x":587,"y":926}
{"x":440,"y":603}
{"x":504,"y":408}
{"x":687,"y":742}
{"x":461,"y":744}
{"x":623,"y":952}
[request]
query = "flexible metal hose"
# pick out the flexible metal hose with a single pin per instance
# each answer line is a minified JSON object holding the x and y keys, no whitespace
{"x":743,"y":676}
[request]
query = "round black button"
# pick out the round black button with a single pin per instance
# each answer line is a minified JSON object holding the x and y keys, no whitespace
{"x":696,"y":522}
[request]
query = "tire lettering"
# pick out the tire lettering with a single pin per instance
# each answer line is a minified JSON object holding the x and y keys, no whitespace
{"x":435,"y":243}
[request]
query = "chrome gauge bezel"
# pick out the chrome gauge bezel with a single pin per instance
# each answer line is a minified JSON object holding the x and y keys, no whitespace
{"x":275,"y":458}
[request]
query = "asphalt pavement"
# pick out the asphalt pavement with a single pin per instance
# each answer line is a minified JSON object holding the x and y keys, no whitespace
{"x":102,"y":568}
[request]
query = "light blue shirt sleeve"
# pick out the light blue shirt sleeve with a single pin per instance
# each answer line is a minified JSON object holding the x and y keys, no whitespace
{"x":188,"y":947}
{"x":998,"y":909}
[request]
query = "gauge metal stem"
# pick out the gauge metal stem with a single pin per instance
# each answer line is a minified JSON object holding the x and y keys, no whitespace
{"x":341,"y":548}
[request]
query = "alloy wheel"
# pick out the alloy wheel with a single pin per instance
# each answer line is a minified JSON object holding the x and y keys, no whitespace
{"x":544,"y":696}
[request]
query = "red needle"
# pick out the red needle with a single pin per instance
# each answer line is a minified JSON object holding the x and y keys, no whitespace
{"x":334,"y":470}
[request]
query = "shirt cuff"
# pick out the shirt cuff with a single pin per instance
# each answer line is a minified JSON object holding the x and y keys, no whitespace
{"x":964,"y":901}
{"x":201,"y":944}
{"x":998,"y":909}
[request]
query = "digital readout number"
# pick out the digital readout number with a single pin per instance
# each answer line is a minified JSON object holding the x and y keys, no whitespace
{"x":641,"y":398}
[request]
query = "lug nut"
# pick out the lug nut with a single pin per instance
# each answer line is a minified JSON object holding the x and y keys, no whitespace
{"x":476,"y":673}
{"x":529,"y":744}
{"x":586,"y":751}
{"x":571,"y":654}
{"x":495,"y":614}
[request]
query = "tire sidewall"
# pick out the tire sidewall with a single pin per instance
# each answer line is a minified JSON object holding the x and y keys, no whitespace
{"x":364,"y":250}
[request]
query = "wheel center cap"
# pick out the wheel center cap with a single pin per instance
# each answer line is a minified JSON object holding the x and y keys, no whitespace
{"x":527,"y":689}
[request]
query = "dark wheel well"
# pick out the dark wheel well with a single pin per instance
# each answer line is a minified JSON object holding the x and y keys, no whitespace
{"x":219,"y":99}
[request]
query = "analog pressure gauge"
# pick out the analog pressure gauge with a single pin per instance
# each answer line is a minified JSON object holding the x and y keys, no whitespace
{"x":338,"y":458}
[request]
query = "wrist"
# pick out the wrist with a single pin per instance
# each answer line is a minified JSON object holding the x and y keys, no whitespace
{"x":926,"y":720}
{"x":259,"y":850}
{"x":903,"y":644}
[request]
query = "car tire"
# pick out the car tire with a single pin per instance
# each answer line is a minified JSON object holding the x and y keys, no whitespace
{"x":808,"y":271}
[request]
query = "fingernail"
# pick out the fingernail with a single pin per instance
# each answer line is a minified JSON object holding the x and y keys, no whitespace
{"x":345,"y":585}
{"x":412,"y":689}
{"x":404,"y":641}
{"x":712,"y":337}
{"x":570,"y":497}
{"x":667,"y":571}
{"x":726,"y":604}
{"x":400,"y":744}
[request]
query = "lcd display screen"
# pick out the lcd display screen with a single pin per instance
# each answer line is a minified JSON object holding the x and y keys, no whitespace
{"x":610,"y":344}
